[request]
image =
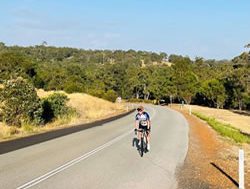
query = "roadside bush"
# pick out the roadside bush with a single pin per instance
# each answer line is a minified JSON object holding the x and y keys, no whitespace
{"x":246,"y":101}
{"x":110,"y":95}
{"x":20,"y":103}
{"x":72,"y":87}
{"x":97,"y":92}
{"x":54,"y":106}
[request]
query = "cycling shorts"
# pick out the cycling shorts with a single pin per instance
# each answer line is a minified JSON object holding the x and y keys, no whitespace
{"x":145,"y":128}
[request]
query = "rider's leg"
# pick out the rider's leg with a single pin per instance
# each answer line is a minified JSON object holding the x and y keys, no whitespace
{"x":148,"y":140}
{"x":148,"y":137}
{"x":139,"y":135}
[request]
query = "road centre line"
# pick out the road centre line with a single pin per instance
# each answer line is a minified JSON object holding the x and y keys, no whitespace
{"x":72,"y":162}
{"x":76,"y":160}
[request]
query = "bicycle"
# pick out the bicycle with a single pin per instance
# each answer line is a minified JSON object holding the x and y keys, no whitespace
{"x":143,"y":146}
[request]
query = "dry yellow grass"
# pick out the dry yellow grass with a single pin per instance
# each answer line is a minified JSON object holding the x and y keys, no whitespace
{"x":42,"y":94}
{"x":89,"y":109}
{"x":93,"y":108}
{"x":2,"y":130}
{"x":241,"y":122}
{"x":7,"y":132}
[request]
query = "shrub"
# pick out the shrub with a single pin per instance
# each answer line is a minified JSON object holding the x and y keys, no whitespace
{"x":246,"y":101}
{"x":71,"y":87}
{"x":20,"y":103}
{"x":110,"y":95}
{"x":97,"y":92}
{"x":54,"y":106}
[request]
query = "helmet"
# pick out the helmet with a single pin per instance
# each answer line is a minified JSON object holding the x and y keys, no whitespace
{"x":140,"y":108}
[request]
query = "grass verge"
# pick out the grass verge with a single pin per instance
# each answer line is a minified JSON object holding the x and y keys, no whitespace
{"x":225,"y":130}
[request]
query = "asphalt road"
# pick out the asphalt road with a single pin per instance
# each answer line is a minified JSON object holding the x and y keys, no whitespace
{"x":102,"y":157}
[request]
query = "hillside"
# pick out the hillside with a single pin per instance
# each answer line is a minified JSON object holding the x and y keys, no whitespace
{"x":88,"y":109}
{"x":131,"y":74}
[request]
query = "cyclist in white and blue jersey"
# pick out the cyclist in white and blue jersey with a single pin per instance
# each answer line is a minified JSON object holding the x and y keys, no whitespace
{"x":142,"y":121}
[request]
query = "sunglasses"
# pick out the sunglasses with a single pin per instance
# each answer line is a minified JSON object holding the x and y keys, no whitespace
{"x":139,"y":110}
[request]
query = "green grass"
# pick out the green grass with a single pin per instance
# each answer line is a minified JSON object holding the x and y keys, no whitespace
{"x":225,"y":130}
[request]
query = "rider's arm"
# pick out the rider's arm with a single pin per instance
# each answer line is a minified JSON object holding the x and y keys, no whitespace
{"x":149,"y":121}
{"x":136,"y":122}
{"x":149,"y":124}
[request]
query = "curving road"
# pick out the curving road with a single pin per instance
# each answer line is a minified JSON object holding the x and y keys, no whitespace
{"x":102,"y":157}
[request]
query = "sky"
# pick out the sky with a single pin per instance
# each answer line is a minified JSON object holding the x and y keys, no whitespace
{"x":213,"y":29}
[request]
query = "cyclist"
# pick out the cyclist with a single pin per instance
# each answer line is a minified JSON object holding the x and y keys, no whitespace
{"x":142,"y":121}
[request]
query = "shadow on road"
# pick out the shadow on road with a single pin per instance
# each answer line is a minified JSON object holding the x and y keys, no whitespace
{"x":135,"y":142}
{"x":225,"y":174}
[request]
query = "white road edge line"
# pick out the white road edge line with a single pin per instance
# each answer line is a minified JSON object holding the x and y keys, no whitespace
{"x":71,"y":163}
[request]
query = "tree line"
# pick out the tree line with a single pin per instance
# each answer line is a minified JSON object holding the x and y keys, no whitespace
{"x":131,"y":74}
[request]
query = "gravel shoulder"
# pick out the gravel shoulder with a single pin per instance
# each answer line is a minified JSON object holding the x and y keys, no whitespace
{"x":212,"y":161}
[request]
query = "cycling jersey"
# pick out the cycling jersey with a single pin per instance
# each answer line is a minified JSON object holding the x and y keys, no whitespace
{"x":142,"y":118}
